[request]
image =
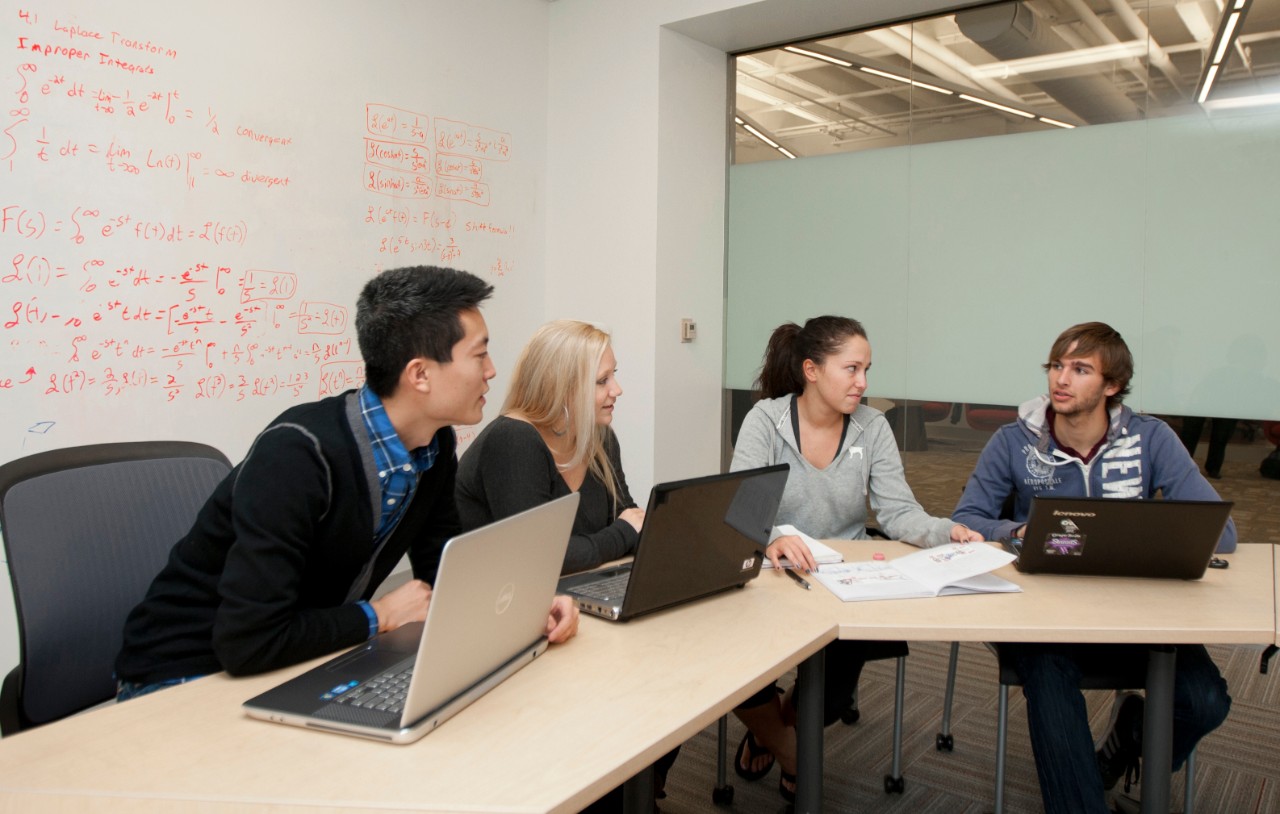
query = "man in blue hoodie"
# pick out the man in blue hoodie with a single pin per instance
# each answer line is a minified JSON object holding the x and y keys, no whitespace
{"x":1080,"y":440}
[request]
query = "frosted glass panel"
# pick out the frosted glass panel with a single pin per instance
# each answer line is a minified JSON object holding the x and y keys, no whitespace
{"x":811,"y":237}
{"x":965,"y":259}
{"x":1011,"y":242}
{"x":1212,"y":340}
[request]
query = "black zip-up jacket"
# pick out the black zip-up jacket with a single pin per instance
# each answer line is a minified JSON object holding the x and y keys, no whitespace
{"x":263,"y":578}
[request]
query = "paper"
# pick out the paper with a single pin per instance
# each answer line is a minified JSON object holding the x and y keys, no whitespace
{"x":822,"y":553}
{"x":956,"y":568}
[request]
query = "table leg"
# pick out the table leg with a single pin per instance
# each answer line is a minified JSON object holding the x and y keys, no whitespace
{"x":1157,"y":730}
{"x":637,"y":793}
{"x":809,"y":734}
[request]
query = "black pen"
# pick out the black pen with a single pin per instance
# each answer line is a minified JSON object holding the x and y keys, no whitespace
{"x":791,"y":572}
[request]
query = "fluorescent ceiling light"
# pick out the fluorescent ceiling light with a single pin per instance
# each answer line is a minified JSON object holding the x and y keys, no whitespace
{"x":815,"y":55}
{"x":1209,"y":76}
{"x":895,"y":77}
{"x":1244,"y":101}
{"x":1057,"y":123}
{"x":786,"y":152}
{"x":753,"y":131}
{"x":1065,"y":59}
{"x":1225,"y":42}
{"x":997,"y":106}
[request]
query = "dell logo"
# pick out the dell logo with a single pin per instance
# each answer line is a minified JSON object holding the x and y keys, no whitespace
{"x":505,"y":596}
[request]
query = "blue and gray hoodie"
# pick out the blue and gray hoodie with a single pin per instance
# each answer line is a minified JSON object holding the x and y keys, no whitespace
{"x":1140,"y":457}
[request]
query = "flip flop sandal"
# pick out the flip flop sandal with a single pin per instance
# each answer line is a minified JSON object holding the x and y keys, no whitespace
{"x":750,"y":749}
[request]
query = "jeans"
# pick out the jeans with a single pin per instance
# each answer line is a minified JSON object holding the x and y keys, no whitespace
{"x":1058,"y":719}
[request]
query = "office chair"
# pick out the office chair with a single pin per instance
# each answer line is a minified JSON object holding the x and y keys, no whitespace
{"x":894,"y":783}
{"x":85,"y":531}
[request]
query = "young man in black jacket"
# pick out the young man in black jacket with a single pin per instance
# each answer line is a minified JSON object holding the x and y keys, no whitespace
{"x":283,"y":559}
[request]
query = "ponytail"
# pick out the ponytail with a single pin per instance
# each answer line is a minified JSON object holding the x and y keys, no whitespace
{"x":782,"y":371}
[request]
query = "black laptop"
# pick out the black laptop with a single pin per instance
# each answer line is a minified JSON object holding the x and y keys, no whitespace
{"x":700,"y":537}
{"x":1171,"y":539}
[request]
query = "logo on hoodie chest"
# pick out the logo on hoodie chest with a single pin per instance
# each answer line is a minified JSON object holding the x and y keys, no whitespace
{"x":1036,"y":467}
{"x":1041,"y":476}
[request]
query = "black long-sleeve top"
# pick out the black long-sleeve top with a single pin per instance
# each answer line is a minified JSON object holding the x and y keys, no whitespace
{"x":508,"y":469}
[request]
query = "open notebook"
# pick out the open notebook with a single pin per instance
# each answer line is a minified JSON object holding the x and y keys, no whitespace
{"x":955,"y":568}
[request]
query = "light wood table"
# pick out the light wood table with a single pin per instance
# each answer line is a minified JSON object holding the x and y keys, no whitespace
{"x":577,"y":722}
{"x":589,"y":714}
{"x":1236,"y":605}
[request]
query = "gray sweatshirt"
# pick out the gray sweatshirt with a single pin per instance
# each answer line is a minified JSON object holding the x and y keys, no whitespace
{"x":832,"y":502}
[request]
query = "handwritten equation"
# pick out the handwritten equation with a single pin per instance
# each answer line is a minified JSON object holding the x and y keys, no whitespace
{"x":411,"y":156}
{"x":105,"y":327}
{"x":157,"y":245}
{"x":399,"y":161}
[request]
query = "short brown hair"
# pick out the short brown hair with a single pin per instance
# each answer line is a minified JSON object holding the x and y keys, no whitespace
{"x":1102,"y":339}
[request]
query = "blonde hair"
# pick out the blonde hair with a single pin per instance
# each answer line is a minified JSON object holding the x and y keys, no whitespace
{"x":553,"y":386}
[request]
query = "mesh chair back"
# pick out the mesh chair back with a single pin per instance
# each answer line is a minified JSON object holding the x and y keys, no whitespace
{"x":85,"y":530}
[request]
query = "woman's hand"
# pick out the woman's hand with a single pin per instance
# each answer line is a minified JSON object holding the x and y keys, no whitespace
{"x":633,"y":516}
{"x":963,"y":534}
{"x":795,"y":550}
{"x":562,"y":623}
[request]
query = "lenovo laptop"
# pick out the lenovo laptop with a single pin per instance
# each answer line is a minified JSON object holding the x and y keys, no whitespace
{"x":1171,"y":539}
{"x":487,"y":619}
{"x":700,"y":537}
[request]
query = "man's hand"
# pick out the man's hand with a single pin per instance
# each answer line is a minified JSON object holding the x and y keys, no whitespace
{"x":562,"y":623}
{"x":405,"y":604}
{"x":963,"y":534}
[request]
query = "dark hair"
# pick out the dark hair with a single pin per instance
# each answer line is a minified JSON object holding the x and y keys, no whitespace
{"x":1102,"y":339}
{"x":413,"y":312}
{"x":782,"y":372}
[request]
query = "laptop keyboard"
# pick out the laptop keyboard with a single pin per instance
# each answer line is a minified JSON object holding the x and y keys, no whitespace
{"x":384,"y":692}
{"x":611,"y":588}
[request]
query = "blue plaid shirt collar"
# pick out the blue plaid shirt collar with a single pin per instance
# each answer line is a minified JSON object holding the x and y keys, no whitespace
{"x":398,"y":467}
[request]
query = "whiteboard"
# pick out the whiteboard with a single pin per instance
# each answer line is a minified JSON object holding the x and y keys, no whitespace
{"x":193,"y":194}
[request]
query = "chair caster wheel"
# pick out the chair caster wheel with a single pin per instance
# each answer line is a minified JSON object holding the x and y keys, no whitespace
{"x":722,"y":795}
{"x":894,"y":785}
{"x":850,"y":716}
{"x":946,"y":743}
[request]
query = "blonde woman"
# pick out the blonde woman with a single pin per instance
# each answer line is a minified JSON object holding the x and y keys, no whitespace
{"x":553,"y":437}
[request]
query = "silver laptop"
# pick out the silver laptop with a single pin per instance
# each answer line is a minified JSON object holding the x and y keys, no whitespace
{"x":487,"y":619}
{"x":700,"y":537}
{"x":1111,"y":537}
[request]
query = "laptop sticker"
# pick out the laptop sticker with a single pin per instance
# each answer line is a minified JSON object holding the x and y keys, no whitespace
{"x":1068,"y":542}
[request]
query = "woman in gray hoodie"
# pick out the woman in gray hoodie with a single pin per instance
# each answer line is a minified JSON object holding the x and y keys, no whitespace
{"x":842,"y":455}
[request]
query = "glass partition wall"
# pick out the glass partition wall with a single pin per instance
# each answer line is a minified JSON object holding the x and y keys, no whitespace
{"x":970,"y":184}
